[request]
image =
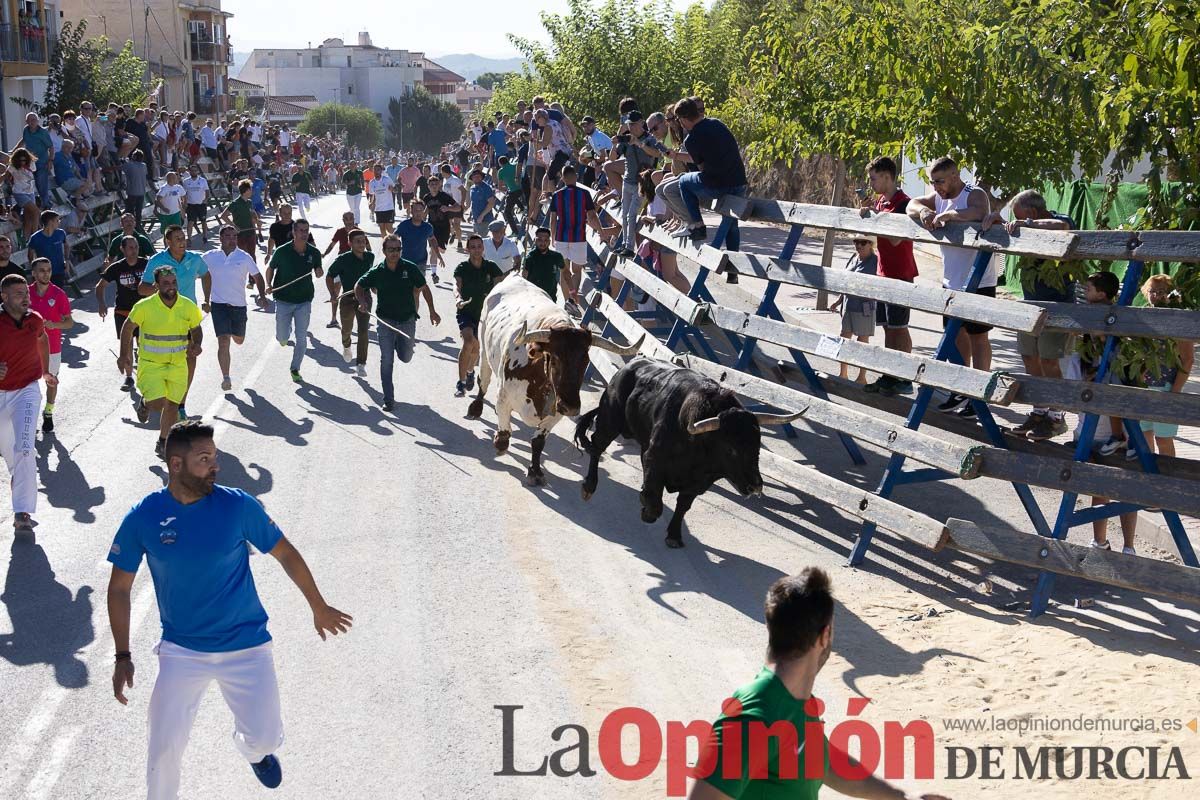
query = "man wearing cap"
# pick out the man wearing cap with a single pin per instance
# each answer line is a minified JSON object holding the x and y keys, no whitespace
{"x":599,"y":141}
{"x":500,"y":250}
{"x":640,"y":151}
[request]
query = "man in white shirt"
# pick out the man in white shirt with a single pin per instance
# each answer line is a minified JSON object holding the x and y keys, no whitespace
{"x":383,"y":200}
{"x":285,"y":138}
{"x":169,"y":202}
{"x":208,"y":139}
{"x":196,"y":188}
{"x":500,"y":250}
{"x":230,"y":268}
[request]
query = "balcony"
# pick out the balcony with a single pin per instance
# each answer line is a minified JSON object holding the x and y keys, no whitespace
{"x":24,"y":43}
{"x":215,"y":52}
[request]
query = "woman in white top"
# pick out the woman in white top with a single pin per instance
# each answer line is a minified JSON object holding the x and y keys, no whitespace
{"x":20,"y":174}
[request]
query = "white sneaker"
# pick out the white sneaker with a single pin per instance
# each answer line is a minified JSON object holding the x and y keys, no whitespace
{"x":1101,"y":545}
{"x":1129,"y":551}
{"x":346,"y":355}
{"x":361,"y":369}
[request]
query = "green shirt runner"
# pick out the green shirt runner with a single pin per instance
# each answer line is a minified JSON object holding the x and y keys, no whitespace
{"x":352,"y":180}
{"x":395,"y":290}
{"x":767,"y":700}
{"x":349,"y":268}
{"x":290,"y":265}
{"x":508,"y":176}
{"x":302,"y":183}
{"x":543,"y":269}
{"x":476,"y":283}
{"x":242,"y":213}
{"x":145,"y":246}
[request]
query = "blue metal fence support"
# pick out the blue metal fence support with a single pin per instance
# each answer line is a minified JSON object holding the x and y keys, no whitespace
{"x":894,"y":475}
{"x":1068,"y":517}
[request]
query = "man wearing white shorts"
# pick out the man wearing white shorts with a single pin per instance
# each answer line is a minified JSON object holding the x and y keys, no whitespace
{"x":572,"y":212}
{"x":24,"y":359}
{"x":194,"y":536}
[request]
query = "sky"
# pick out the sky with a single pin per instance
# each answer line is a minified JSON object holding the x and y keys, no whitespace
{"x":470,"y":26}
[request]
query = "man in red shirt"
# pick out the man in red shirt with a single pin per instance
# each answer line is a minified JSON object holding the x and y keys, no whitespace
{"x":54,"y":307}
{"x":24,"y":358}
{"x":895,"y":261}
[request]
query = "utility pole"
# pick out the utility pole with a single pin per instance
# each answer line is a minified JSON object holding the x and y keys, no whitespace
{"x":146,"y":41}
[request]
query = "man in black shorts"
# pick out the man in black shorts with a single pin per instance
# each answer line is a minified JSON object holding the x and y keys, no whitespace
{"x":126,"y":272}
{"x":473,"y":279}
{"x":441,"y":207}
{"x":196,"y":188}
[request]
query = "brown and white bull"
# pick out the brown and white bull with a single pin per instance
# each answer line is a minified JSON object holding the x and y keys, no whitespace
{"x":539,"y":356}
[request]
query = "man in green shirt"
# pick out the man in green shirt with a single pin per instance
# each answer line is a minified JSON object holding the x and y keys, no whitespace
{"x":353,"y":182}
{"x":799,"y":614}
{"x":241,"y":215}
{"x":302,"y":187}
{"x":473,"y":279}
{"x":542,"y":265}
{"x":348,"y":268}
{"x":396,"y":283}
{"x":289,"y":274}
{"x":512,"y":191}
{"x":128,"y":228}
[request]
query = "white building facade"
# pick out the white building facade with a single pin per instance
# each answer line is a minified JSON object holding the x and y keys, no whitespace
{"x":359,"y":74}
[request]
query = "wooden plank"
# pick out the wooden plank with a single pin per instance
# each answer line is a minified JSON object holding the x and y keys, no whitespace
{"x":666,"y":295}
{"x":606,"y":364}
{"x":857,"y":502}
{"x":629,"y":327}
{"x":703,"y":254}
{"x":1043,"y":244}
{"x":1160,"y":323}
{"x":1095,"y":480}
{"x":85,"y":268}
{"x":1108,"y":399}
{"x":994,"y":387}
{"x":885,"y":432}
{"x":1167,"y":246}
{"x":1162,"y":578}
{"x":900,"y":405}
{"x":1001,"y":313}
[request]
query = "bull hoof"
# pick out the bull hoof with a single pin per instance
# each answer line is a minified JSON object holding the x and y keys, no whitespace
{"x":535,"y":478}
{"x":586,"y":493}
{"x":650,"y":516}
{"x":674,"y":544}
{"x":475,"y":410}
{"x":500,"y":441}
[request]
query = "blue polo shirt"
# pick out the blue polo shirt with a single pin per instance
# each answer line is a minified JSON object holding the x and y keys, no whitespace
{"x":414,"y":239}
{"x":393,"y":172}
{"x":499,"y":142}
{"x":50,"y":246}
{"x":186,"y":271}
{"x":480,"y":194}
{"x":200,"y":565}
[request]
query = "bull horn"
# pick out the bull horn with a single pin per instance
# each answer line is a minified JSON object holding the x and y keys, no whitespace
{"x":612,"y":347}
{"x":777,"y":419}
{"x":704,"y":426}
{"x":527,"y":336}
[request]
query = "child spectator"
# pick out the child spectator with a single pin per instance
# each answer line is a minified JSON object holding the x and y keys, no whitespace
{"x":1169,"y":375}
{"x":858,"y":314}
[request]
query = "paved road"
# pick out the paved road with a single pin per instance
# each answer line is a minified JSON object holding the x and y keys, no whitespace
{"x":469,"y":590}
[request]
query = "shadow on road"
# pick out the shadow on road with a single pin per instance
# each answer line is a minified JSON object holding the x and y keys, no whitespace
{"x":49,"y":625}
{"x":263,"y":418}
{"x":65,"y":486}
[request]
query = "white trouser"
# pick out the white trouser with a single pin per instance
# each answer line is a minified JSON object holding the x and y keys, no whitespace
{"x":18,"y":428}
{"x":302,"y":201}
{"x":355,"y":200}
{"x":247,"y":681}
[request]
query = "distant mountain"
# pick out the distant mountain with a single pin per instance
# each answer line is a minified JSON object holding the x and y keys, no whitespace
{"x":471,"y":66}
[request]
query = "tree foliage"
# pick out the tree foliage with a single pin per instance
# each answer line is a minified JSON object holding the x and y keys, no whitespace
{"x":361,"y":126}
{"x":490,"y":80}
{"x":86,"y":69}
{"x":419,"y":121}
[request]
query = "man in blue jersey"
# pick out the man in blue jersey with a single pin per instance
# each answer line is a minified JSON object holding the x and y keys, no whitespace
{"x":193,"y":535}
{"x":572,"y":211}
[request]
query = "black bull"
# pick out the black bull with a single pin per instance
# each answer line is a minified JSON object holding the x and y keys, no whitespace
{"x":692,"y":433}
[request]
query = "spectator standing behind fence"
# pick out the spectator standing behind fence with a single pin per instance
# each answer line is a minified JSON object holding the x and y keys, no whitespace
{"x":1042,"y":279}
{"x":858,"y":313}
{"x":136,"y":180}
{"x":952,"y":200}
{"x":713,"y":149}
{"x":36,"y":140}
{"x":638,"y":151}
{"x":896,"y":261}
{"x":1171,"y":372}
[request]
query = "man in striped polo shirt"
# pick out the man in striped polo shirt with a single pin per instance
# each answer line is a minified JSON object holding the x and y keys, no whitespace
{"x":572,"y":211}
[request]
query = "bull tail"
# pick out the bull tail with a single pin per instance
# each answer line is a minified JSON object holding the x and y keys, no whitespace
{"x":582,"y":440}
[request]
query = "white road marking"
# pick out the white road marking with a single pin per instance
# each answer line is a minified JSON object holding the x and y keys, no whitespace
{"x":28,"y":743}
{"x":43,"y":783}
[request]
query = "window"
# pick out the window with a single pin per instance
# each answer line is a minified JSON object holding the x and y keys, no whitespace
{"x":348,"y":61}
{"x":350,"y":88}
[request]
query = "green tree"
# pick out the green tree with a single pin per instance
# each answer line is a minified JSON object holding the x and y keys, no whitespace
{"x":419,"y":121}
{"x":490,"y":80}
{"x":361,"y":126}
{"x":86,"y":69}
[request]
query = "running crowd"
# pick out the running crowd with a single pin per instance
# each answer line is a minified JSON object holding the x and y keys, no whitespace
{"x":529,"y":185}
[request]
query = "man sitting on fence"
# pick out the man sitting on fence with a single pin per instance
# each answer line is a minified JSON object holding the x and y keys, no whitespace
{"x":1042,"y":279}
{"x":712,"y":147}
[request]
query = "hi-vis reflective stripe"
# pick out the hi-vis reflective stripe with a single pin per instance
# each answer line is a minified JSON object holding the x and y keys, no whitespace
{"x":179,"y":346}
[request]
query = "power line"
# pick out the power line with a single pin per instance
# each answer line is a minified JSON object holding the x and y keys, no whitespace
{"x":166,"y":38}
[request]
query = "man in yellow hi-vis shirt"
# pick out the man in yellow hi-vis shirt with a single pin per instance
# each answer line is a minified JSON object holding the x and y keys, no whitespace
{"x":168,"y":327}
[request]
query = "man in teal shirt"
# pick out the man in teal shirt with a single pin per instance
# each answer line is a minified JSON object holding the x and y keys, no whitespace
{"x":396,"y":283}
{"x":36,"y":140}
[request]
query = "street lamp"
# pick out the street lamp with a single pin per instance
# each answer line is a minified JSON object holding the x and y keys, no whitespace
{"x":336,"y":94}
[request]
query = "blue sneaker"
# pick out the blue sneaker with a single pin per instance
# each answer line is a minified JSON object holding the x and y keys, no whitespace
{"x":268,"y":771}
